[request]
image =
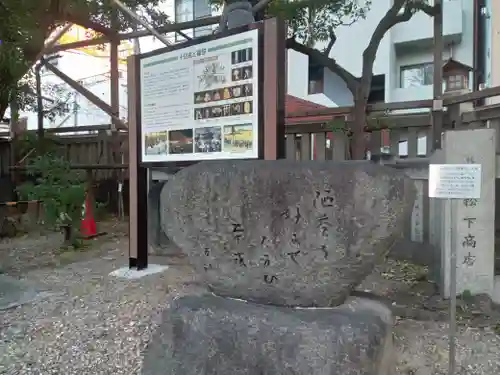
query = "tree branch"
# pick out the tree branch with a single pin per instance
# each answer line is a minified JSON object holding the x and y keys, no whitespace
{"x":401,"y":11}
{"x":88,"y":24}
{"x":80,"y":14}
{"x":350,"y":80}
{"x":333,"y":39}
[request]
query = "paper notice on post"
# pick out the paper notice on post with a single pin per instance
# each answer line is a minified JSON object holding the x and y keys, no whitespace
{"x":455,"y":181}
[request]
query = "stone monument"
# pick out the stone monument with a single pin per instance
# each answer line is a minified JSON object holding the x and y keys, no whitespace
{"x":281,"y":244}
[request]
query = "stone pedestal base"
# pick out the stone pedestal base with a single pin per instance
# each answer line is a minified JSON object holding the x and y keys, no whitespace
{"x":209,"y":335}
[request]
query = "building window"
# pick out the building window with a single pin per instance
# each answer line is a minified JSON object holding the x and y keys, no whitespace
{"x":455,"y":82}
{"x":416,"y":75}
{"x":188,"y":10}
{"x":316,"y":79}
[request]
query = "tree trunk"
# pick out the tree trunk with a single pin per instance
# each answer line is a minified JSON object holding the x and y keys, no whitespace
{"x":359,"y":139}
{"x":69,"y":235}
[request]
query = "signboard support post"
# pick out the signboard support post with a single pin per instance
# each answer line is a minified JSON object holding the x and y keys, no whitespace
{"x":453,"y":292}
{"x":452,"y":182}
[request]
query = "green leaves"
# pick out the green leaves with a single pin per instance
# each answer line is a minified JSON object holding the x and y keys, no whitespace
{"x":61,"y":189}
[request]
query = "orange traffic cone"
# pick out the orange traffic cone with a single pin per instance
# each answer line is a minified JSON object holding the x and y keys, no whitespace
{"x":88,"y":228}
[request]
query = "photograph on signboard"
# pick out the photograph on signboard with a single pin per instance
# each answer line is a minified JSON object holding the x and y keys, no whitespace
{"x":226,"y":93}
{"x":192,"y":94}
{"x":241,"y":56}
{"x":208,"y":139}
{"x":156,"y":143}
{"x":243,"y":73}
{"x":180,"y":141}
{"x":238,"y":138}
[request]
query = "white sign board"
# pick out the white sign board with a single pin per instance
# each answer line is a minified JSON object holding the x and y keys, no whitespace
{"x":201,"y":102}
{"x":455,"y":181}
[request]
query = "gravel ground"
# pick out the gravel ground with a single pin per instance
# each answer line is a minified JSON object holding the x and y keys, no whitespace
{"x":91,"y":323}
{"x":94,"y":324}
{"x":422,"y":349}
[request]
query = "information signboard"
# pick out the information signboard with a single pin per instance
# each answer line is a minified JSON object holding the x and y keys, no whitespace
{"x":201,"y":102}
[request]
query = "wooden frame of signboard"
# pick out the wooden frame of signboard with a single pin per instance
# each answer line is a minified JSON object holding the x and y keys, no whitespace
{"x":270,"y":88}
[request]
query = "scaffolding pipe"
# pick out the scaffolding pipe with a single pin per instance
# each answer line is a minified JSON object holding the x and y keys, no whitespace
{"x":139,"y":20}
{"x":171,"y":27}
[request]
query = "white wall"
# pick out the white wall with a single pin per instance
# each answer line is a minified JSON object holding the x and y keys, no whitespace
{"x":335,"y":93}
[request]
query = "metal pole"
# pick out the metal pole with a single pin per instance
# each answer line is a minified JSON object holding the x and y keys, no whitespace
{"x":453,"y":292}
{"x":139,"y":20}
{"x":167,"y":28}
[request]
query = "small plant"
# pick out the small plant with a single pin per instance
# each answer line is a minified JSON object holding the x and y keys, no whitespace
{"x":467,"y":295}
{"x":61,"y":191}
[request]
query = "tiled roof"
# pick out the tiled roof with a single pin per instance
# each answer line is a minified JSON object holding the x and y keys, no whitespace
{"x":294,"y":105}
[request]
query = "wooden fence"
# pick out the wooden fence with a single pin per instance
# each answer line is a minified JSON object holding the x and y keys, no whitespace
{"x":404,"y":136}
{"x":97,"y":149}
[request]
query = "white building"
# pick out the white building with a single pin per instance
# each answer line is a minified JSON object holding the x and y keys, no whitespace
{"x":403,"y":67}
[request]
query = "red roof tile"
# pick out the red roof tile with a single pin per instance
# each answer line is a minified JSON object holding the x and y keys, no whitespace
{"x":294,"y":105}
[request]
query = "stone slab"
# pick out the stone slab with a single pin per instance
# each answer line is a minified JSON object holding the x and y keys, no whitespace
{"x":473,"y":220}
{"x":131,"y":274}
{"x":285,"y":232}
{"x":212,"y":335}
